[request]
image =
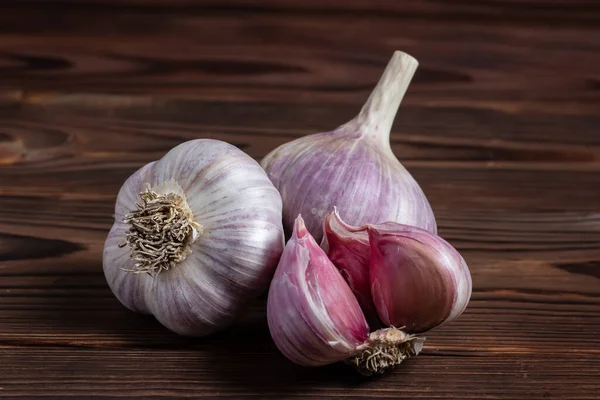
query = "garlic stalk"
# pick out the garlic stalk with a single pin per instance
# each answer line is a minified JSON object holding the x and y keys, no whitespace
{"x":196,"y":234}
{"x":353,"y":166}
{"x":406,"y":280}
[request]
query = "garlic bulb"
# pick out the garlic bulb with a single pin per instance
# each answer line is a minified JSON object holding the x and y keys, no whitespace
{"x":196,"y":234}
{"x":353,"y":167}
{"x":410,"y":281}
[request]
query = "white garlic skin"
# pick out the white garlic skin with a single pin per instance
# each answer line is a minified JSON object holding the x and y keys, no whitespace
{"x":353,"y":167}
{"x":231,"y":261}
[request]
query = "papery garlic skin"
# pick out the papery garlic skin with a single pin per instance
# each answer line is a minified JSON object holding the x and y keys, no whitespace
{"x":313,"y":316}
{"x":418,"y":280}
{"x":233,"y":252}
{"x":353,"y":167}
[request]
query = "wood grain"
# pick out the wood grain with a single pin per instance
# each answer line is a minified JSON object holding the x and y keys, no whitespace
{"x":500,"y":128}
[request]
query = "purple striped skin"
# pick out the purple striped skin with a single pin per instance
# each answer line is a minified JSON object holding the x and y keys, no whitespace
{"x":231,"y":262}
{"x":313,"y":316}
{"x":353,"y":172}
{"x":403,"y":276}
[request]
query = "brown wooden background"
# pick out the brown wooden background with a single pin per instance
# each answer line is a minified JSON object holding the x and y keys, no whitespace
{"x":501,"y":127}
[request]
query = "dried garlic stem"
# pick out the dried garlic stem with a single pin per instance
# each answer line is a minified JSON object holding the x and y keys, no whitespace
{"x":378,"y":113}
{"x":385,"y":349}
{"x":162,"y":230}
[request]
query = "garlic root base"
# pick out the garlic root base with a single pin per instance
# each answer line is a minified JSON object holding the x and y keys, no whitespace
{"x":161,"y":231}
{"x":384,"y":350}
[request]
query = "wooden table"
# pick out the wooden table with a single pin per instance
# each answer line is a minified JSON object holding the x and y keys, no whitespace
{"x":501,"y":127}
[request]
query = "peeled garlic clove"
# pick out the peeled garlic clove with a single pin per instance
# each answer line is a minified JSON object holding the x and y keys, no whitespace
{"x":418,"y":280}
{"x":313,"y":316}
{"x":348,"y":249}
{"x":196,"y":235}
{"x":353,"y":166}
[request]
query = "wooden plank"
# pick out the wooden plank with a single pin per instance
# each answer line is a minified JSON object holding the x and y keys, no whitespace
{"x":500,"y":128}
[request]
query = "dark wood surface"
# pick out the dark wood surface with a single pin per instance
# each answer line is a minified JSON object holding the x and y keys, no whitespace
{"x":501,"y":127}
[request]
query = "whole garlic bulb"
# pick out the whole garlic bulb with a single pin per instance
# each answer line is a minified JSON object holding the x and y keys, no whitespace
{"x":353,"y":166}
{"x":196,"y":234}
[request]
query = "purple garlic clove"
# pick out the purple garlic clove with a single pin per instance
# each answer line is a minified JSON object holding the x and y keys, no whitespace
{"x":418,"y":280}
{"x":313,"y":316}
{"x":348,"y":249}
{"x":406,"y":279}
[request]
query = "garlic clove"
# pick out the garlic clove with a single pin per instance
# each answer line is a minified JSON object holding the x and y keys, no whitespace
{"x":378,"y":261}
{"x":418,"y":280}
{"x":413,"y":279}
{"x":313,"y":316}
{"x":348,"y":249}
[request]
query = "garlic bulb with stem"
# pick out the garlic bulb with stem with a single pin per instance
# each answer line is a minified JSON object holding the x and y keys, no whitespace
{"x":196,"y":235}
{"x":416,"y":281}
{"x":353,"y":166}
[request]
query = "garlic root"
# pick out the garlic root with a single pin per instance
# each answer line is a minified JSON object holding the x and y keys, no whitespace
{"x":385,"y":349}
{"x":162,"y":229}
